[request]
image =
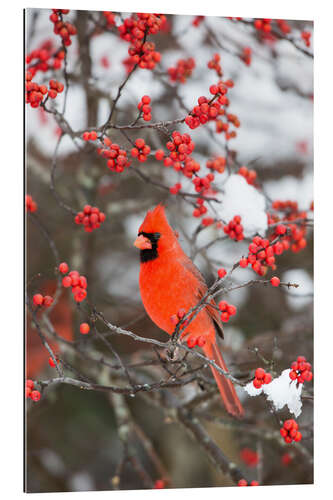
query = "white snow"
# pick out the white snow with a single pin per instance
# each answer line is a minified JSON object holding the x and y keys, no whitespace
{"x":281,"y":391}
{"x":239,"y":198}
{"x":298,"y":298}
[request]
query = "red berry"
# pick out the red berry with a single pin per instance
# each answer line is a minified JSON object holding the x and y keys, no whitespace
{"x":51,"y":362}
{"x":275,"y":281}
{"x":242,"y":482}
{"x":286,"y":459}
{"x":223,"y":305}
{"x":47,"y":301}
{"x":159,"y":484}
{"x":29,"y":383}
{"x":35,"y":395}
{"x":259,"y":373}
{"x":67,"y":281}
{"x":191,"y":342}
{"x":159,"y":155}
{"x":63,"y":268}
{"x":221,"y":272}
{"x":232,"y":310}
{"x":38,"y":299}
{"x":257,"y":383}
{"x":139,"y":143}
{"x":225,"y":317}
{"x":288,"y":424}
{"x":281,"y":229}
{"x":243,"y":262}
{"x":145,"y":99}
{"x":267,"y":378}
{"x":84,"y":328}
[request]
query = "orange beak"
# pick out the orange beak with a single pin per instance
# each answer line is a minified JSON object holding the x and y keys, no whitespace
{"x":143,"y":243}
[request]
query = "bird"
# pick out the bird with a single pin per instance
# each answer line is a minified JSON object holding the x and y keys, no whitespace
{"x":170,"y":282}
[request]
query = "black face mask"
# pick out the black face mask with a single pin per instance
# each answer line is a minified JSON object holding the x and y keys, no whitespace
{"x":150,"y":253}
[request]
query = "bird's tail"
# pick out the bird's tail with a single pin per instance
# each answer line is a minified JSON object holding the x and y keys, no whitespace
{"x":226,"y":387}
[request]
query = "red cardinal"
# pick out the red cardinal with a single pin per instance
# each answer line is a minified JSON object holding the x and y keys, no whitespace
{"x":169,"y":282}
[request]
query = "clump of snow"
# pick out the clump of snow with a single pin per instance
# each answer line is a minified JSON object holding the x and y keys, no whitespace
{"x":300,"y":297}
{"x":239,"y":198}
{"x":281,"y":391}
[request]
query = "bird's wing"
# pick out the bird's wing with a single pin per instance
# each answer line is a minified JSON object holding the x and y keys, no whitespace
{"x":202,"y":289}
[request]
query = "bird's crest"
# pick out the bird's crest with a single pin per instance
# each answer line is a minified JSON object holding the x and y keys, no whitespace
{"x":155,"y":221}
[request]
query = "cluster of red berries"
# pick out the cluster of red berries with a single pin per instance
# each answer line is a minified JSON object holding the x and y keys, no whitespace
{"x":249,"y":457}
{"x":263,"y":25}
{"x":84,"y":328}
{"x":30,"y":204}
{"x":294,"y":235}
{"x":117,"y":157}
{"x":76,"y":281}
{"x":39,"y":300}
{"x":217,"y":164}
{"x":89,"y":136}
{"x":290,"y":431}
{"x":182,"y":70}
{"x":134,"y":30}
{"x":214,"y":64}
{"x":144,"y":108}
{"x":176,"y":188}
{"x":285,"y":206}
{"x":30,"y":392}
{"x":227,"y":310}
{"x":246,"y":55}
{"x":234,"y":229}
{"x":200,"y":208}
{"x":306,"y":36}
{"x":64,"y":29}
{"x":261,"y":255}
{"x":223,"y":127}
{"x":192,"y":341}
{"x":233,"y":119}
{"x":197,"y":20}
{"x":181,"y":146}
{"x":243,"y":482}
{"x":42,"y":58}
{"x":261,"y":377}
{"x":55,"y":88}
{"x":34,"y":93}
{"x":110,"y":18}
{"x":301,"y":370}
{"x":202,"y":184}
{"x":206,"y":109}
{"x":141,"y":150}
{"x":283,"y":26}
{"x":249,"y":175}
{"x":91,"y":218}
